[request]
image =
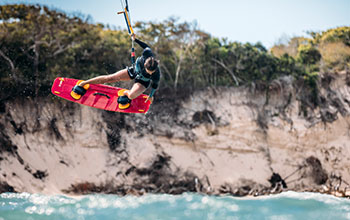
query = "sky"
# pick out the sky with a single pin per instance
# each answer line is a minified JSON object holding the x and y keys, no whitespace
{"x":265,"y":21}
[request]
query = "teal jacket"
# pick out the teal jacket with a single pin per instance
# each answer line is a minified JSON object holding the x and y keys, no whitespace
{"x":140,"y":70}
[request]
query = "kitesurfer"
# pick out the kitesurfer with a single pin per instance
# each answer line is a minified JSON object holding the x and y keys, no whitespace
{"x":145,"y":73}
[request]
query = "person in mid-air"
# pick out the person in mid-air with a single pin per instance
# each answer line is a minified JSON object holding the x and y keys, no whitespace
{"x":145,"y":73}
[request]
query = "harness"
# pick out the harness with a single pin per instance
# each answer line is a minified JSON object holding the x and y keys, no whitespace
{"x":140,"y":70}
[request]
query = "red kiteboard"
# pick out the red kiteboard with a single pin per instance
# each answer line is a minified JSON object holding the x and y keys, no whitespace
{"x":99,"y":96}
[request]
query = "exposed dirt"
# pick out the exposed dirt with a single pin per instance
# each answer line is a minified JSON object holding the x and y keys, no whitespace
{"x":218,"y":141}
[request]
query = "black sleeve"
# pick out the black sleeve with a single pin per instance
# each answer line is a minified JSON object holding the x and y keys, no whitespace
{"x":155,"y":79}
{"x":142,"y":44}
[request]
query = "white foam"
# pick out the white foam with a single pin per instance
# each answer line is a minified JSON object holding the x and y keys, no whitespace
{"x":328,"y":199}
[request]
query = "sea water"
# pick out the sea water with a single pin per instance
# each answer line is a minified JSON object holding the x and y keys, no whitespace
{"x":288,"y":205}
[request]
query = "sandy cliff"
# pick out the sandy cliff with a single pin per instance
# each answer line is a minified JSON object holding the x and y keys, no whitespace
{"x":227,"y":140}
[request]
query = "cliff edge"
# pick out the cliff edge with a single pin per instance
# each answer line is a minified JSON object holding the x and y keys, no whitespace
{"x":240,"y":141}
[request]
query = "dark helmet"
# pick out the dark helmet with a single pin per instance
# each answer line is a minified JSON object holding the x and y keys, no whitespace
{"x":147,"y":52}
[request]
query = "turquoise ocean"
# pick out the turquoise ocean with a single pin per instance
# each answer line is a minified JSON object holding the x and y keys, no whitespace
{"x":288,"y":205}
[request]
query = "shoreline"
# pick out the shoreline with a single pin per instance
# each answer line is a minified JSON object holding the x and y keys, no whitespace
{"x":344,"y":194}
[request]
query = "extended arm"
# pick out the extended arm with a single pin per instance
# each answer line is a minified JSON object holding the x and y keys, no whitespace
{"x":150,"y":97}
{"x":142,"y":44}
{"x":155,"y":82}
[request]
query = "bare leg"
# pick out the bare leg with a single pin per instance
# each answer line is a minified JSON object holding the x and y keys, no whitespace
{"x":136,"y":90}
{"x":121,"y":75}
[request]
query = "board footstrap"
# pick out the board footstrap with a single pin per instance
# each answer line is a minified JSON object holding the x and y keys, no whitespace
{"x":78,"y":91}
{"x":123,"y":100}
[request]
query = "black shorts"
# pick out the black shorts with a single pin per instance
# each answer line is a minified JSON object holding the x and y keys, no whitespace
{"x":131,"y":72}
{"x":132,"y":75}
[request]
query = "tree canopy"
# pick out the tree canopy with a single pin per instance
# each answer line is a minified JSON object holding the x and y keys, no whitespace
{"x":38,"y":44}
{"x":330,"y":48}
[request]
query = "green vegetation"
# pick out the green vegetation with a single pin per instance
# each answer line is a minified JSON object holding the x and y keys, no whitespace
{"x":324,"y":52}
{"x":38,"y":44}
{"x":329,"y":49}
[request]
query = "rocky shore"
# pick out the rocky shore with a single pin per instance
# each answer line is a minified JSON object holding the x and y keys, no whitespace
{"x":236,"y":141}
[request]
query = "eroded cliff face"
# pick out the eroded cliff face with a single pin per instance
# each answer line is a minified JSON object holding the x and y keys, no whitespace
{"x":228,"y":140}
